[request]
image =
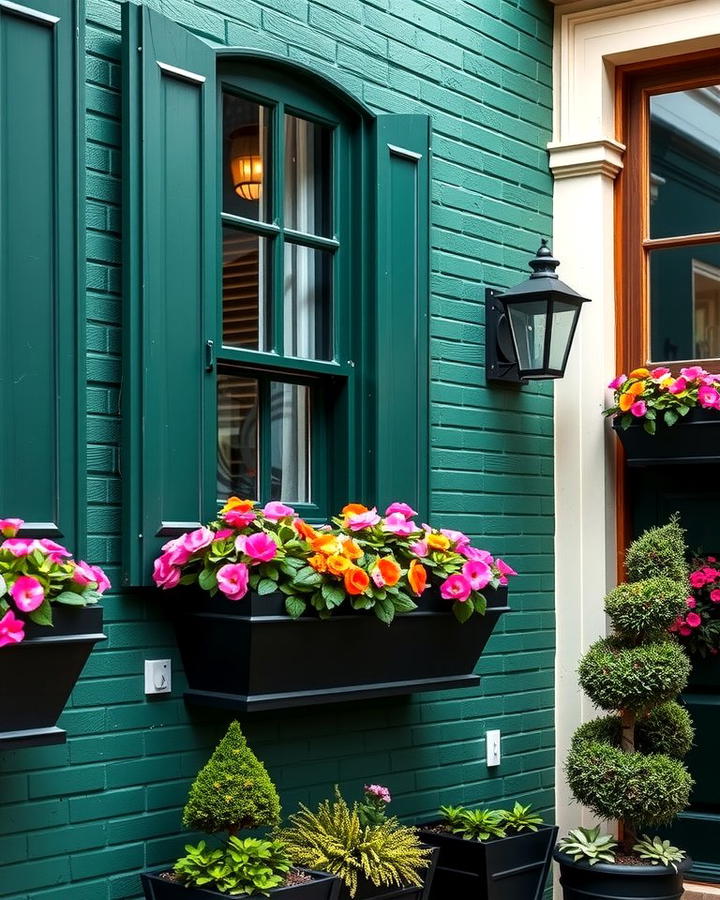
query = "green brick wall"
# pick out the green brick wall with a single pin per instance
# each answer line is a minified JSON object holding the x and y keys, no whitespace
{"x":79,"y":821}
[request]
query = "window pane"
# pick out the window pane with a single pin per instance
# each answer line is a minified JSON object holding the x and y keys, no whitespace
{"x":246,"y":158}
{"x":307,"y":317}
{"x":685,"y":162}
{"x":237,"y":437}
{"x":245,"y":290}
{"x":685,"y":303}
{"x":308,"y":170}
{"x":290,"y":442}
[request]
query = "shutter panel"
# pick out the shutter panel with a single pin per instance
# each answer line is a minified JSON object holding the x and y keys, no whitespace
{"x":403,"y":289}
{"x":42,"y":328}
{"x":171,"y":226}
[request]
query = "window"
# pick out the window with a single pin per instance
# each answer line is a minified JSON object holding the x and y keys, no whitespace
{"x":669,"y":249}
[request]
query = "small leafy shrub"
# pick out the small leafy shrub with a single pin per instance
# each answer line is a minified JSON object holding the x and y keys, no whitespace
{"x":247,"y":867}
{"x":372,"y":809}
{"x":333,"y":839}
{"x":644,"y":607}
{"x":521,"y":818}
{"x":659,"y":852}
{"x":666,"y":729}
{"x":232,"y":791}
{"x":589,"y":845}
{"x":484,"y":824}
{"x":658,"y":553}
{"x":200,"y":867}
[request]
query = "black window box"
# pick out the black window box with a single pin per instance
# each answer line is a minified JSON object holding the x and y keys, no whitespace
{"x":694,"y":438}
{"x":249,"y":655}
{"x":322,"y":887}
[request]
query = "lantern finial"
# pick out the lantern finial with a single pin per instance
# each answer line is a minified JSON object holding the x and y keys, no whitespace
{"x":544,"y":264}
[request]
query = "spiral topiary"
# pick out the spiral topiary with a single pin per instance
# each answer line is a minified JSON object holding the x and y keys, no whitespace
{"x":627,"y":765}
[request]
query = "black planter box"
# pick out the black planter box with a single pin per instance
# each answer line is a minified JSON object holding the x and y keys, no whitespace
{"x":509,"y":868}
{"x":368,"y":891}
{"x":322,"y":887}
{"x":694,"y":438}
{"x":39,"y":674}
{"x":609,"y":881}
{"x":249,"y":655}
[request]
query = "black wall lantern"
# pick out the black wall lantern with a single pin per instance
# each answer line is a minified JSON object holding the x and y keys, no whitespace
{"x":529,"y":328}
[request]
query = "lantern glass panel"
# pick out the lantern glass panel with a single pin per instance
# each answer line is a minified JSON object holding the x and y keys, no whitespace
{"x":528,"y":321}
{"x":564,"y":316}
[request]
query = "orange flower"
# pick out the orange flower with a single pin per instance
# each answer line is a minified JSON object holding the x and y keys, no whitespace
{"x":356,"y":581}
{"x":325,"y":543}
{"x":626,"y":401}
{"x":389,"y":570}
{"x":237,"y":503}
{"x":354,"y":509}
{"x":637,"y":388}
{"x":351,"y":549}
{"x":318,"y":562}
{"x":639,"y":373}
{"x":417,"y":577}
{"x":337,"y":565}
{"x":304,"y":530}
{"x":438,"y":542}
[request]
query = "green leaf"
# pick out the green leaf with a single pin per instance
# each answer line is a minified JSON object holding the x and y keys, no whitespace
{"x":43,"y":614}
{"x":462,"y":611}
{"x":403,"y":603}
{"x":308,"y":576}
{"x":254,"y":580}
{"x":333,"y":594}
{"x":269,"y":571}
{"x":69,"y":598}
{"x":626,"y":421}
{"x":480,"y":604}
{"x":670,"y":417}
{"x":683,"y":409}
{"x":266,"y":586}
{"x":3,"y":587}
{"x":384,"y":610}
{"x":207,"y":579}
{"x":295,"y":606}
{"x":649,"y":427}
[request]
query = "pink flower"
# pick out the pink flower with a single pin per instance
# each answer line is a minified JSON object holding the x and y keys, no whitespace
{"x":239,"y":518}
{"x":197,"y":540}
{"x":504,"y":570}
{"x":708,"y":397}
{"x":12,"y":629}
{"x":176,"y":552}
{"x":420,"y":548}
{"x":363,"y":520}
{"x":377,"y":790}
{"x":276,"y":511}
{"x":479,"y":574}
{"x":260,"y":547}
{"x":223,"y":533}
{"x":693,"y":372}
{"x":685,"y":630}
{"x":711,"y":559}
{"x":715,"y":596}
{"x":83,"y":573}
{"x":53,"y":549}
{"x":691,"y":602}
{"x":476,"y":554}
{"x":10,"y":527}
{"x":458,"y":538}
{"x":103,"y":582}
{"x":165,"y":574}
{"x":377,"y":577}
{"x":456,"y":587}
{"x":698,"y":579}
{"x":20,"y":546}
{"x":396,"y":523}
{"x":617,"y":382}
{"x":678,"y":386}
{"x":659,"y":373}
{"x":638,"y":409}
{"x":27,"y":592}
{"x":407,"y":512}
{"x":693,"y":619}
{"x":232,"y":580}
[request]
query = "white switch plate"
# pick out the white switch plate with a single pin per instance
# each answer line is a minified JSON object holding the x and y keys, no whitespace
{"x":158,"y":676}
{"x":492,"y":748}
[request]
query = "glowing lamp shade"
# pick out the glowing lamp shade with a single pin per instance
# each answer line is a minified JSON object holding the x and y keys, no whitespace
{"x":246,"y":165}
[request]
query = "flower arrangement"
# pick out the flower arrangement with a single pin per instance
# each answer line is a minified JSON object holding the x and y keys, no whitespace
{"x":364,"y":560}
{"x":698,"y":626}
{"x":650,"y":394}
{"x":34,"y":574}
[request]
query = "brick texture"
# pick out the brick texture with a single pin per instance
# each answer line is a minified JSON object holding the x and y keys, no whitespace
{"x":79,"y":821}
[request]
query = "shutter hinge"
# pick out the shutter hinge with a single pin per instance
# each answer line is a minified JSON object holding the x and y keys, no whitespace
{"x":209,"y":356}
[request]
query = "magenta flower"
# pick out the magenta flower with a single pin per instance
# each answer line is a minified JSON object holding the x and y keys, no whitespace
{"x":53,"y":549}
{"x":396,"y":523}
{"x":456,"y":587}
{"x":698,"y":579}
{"x":197,"y":540}
{"x":638,"y":409}
{"x":505,"y":570}
{"x":363,"y":520}
{"x":684,"y":629}
{"x":260,"y":547}
{"x":10,"y":527}
{"x":232,"y":580}
{"x":223,"y":533}
{"x":27,"y":592}
{"x":12,"y":629}
{"x":101,"y":579}
{"x":660,"y":373}
{"x":458,"y":538}
{"x":617,"y":382}
{"x":402,"y":509}
{"x":176,"y":552}
{"x":693,"y":372}
{"x":715,"y":596}
{"x":276,"y":511}
{"x":377,"y":790}
{"x":691,"y":602}
{"x":239,"y":518}
{"x":475,"y":553}
{"x":165,"y":574}
{"x":479,"y":574}
{"x":420,"y":548}
{"x":678,"y":386}
{"x":20,"y":546}
{"x":83,"y":573}
{"x":708,"y":397}
{"x":693,"y":619}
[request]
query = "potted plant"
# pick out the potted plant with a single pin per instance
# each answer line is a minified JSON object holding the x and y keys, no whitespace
{"x":661,"y":418}
{"x":233,"y":791}
{"x":373,"y":856}
{"x":49,"y":622}
{"x":627,"y":765}
{"x":270,"y":594}
{"x":490,"y":854}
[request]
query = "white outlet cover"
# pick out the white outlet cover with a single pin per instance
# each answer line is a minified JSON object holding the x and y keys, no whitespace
{"x":158,"y":676}
{"x":492,"y":748}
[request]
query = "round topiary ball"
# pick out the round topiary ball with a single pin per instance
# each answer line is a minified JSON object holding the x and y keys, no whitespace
{"x":646,"y":608}
{"x":617,"y":677}
{"x":658,"y":551}
{"x":647,"y":790}
{"x":666,"y":729}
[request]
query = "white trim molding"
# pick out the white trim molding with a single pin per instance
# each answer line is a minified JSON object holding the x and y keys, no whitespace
{"x":591,"y":39}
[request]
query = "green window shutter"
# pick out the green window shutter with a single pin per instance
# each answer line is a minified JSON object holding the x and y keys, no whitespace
{"x":170,"y":291}
{"x":41,"y":314}
{"x":402,"y":311}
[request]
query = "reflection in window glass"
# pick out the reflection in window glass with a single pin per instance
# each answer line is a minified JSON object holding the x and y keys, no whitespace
{"x":307,"y":176}
{"x":290,"y":442}
{"x":685,"y":162}
{"x":685,"y":303}
{"x":307,"y":314}
{"x":237,"y":437}
{"x":245,"y":290}
{"x":246,"y":168}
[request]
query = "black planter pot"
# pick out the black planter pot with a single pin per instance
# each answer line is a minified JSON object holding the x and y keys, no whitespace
{"x":39,"y":674}
{"x":608,"y":881}
{"x":322,"y":887}
{"x":509,"y":868}
{"x":250,"y":655}
{"x":693,"y":438}
{"x":368,"y":891}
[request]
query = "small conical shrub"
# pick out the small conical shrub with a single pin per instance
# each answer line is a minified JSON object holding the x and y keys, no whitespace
{"x":232,"y":791}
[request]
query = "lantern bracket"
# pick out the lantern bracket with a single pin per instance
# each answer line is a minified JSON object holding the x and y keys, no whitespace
{"x":500,"y":359}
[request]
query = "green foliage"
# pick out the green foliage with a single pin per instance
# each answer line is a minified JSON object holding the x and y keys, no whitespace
{"x":233,"y":790}
{"x":646,"y":789}
{"x":474,"y":824}
{"x":658,"y":552}
{"x":645,"y":607}
{"x":659,"y":852}
{"x":521,"y":818}
{"x":588,"y":844}
{"x":248,"y":867}
{"x":665,"y":729}
{"x":637,"y":678}
{"x":334,"y":840}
